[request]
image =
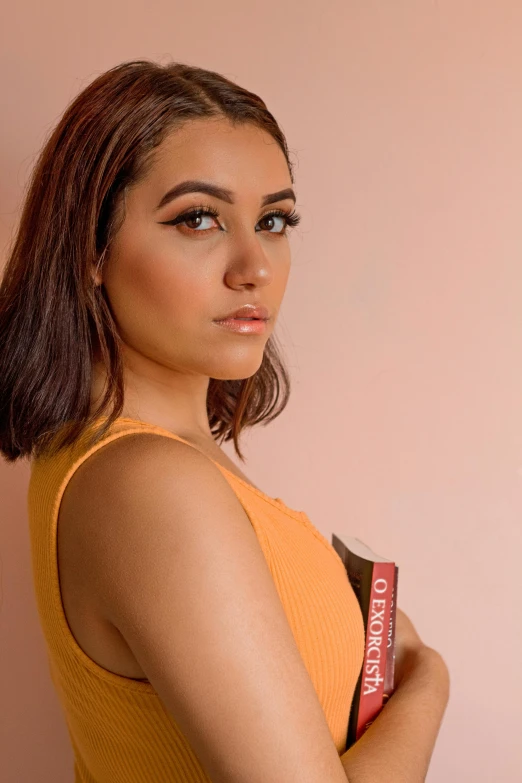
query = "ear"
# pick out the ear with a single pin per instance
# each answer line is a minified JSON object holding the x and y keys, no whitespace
{"x":96,"y":278}
{"x":95,"y":270}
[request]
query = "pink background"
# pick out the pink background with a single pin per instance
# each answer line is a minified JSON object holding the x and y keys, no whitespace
{"x":402,"y":320}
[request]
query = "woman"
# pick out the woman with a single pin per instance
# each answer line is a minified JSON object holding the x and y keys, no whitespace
{"x":197,"y":628}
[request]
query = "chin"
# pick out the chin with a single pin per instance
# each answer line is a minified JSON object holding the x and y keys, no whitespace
{"x":235,"y":371}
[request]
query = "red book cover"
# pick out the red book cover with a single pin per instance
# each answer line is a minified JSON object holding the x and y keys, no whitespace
{"x":389,"y":680}
{"x":372,"y":578}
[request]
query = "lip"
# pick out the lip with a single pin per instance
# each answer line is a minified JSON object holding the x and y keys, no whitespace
{"x":257,"y":326}
{"x":247,"y":311}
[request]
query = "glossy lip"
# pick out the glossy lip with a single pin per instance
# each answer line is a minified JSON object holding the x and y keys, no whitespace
{"x":247,"y":311}
{"x":257,"y":326}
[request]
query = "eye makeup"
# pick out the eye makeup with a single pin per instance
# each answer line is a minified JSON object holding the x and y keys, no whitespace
{"x":291,"y":218}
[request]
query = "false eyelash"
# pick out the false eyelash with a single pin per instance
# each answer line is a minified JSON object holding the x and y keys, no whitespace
{"x":292,"y":218}
{"x":199,"y":211}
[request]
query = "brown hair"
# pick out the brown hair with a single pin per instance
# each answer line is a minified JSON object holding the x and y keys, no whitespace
{"x":53,"y":320}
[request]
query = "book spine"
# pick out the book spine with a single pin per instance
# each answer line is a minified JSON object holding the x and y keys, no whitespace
{"x":389,"y":679}
{"x":374,"y":664}
{"x":360,"y":575}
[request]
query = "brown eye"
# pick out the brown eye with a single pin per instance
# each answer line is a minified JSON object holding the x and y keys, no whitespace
{"x":290,"y":219}
{"x":271,"y":220}
{"x":194,"y":217}
{"x":195,"y":220}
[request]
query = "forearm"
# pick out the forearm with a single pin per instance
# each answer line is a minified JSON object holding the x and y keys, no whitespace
{"x":397,"y":747}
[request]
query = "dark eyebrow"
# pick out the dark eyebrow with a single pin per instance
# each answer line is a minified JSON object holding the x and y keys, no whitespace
{"x":198,"y":186}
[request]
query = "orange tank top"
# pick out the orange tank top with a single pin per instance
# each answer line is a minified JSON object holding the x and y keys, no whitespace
{"x":119,"y":730}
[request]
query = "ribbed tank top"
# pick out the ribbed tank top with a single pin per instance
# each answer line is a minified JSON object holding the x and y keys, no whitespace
{"x":119,"y":730}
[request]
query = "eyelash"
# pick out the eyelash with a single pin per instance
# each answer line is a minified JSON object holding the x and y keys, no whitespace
{"x":292,"y":218}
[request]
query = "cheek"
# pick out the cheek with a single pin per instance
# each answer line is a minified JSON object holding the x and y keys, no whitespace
{"x":149,"y":286}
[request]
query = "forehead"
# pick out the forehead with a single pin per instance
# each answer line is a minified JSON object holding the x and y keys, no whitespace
{"x":239,"y":157}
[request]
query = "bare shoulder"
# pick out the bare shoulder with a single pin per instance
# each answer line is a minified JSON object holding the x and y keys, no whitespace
{"x":178,"y":570}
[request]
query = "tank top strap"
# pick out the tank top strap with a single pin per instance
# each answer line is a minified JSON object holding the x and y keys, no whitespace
{"x":124,"y":424}
{"x":130,"y":426}
{"x":161,"y":430}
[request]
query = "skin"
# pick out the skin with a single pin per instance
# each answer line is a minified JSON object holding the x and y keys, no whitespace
{"x":167,"y":283}
{"x":166,"y":286}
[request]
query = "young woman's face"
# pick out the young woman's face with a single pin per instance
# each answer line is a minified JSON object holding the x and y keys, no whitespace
{"x":168,"y":284}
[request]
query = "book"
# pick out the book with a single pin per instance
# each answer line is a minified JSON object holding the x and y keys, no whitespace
{"x":389,"y":679}
{"x":374,"y":582}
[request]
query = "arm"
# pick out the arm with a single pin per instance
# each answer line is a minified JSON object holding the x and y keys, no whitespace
{"x":397,"y":747}
{"x":172,"y":561}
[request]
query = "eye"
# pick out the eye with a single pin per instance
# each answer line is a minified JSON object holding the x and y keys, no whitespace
{"x":194,"y":216}
{"x":198,"y":214}
{"x":289,"y":219}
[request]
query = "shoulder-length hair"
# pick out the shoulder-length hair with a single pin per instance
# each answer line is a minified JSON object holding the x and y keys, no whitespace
{"x":53,"y":320}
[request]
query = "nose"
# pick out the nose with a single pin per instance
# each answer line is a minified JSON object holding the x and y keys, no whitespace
{"x":249,"y":263}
